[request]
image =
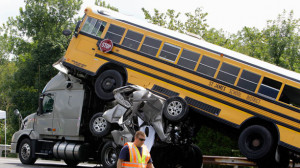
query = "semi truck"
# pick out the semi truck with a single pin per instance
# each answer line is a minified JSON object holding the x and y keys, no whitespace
{"x":61,"y":129}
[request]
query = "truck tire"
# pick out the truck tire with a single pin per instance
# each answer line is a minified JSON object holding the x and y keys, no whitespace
{"x":109,"y":155}
{"x":99,"y":127}
{"x":26,"y":152}
{"x":175,"y":109}
{"x":106,"y":82}
{"x":283,"y":157}
{"x":196,"y":160}
{"x":71,"y":163}
{"x":256,"y":142}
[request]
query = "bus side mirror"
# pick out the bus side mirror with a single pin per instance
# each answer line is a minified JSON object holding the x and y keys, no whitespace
{"x":40,"y":111}
{"x":76,"y":28}
{"x":67,"y":32}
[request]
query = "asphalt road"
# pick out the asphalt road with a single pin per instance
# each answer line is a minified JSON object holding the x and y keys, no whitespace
{"x":16,"y":163}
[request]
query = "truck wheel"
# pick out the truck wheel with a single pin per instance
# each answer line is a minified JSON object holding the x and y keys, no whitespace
{"x":109,"y":155}
{"x":106,"y":82}
{"x":175,"y":109}
{"x":196,"y":159}
{"x":99,"y":127}
{"x":282,"y":157}
{"x":26,"y":152}
{"x":256,"y":142}
{"x":71,"y":163}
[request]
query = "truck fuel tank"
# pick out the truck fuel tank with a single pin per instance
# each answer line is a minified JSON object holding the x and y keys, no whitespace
{"x":70,"y":151}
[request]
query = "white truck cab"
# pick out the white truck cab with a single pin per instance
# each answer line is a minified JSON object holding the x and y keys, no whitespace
{"x":54,"y":130}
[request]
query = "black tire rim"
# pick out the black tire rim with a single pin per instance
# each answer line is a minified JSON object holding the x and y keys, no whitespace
{"x":108,"y":84}
{"x":254,"y":142}
{"x":110,"y":156}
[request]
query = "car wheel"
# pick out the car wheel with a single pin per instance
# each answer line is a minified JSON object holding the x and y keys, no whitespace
{"x":71,"y":163}
{"x":256,"y":142}
{"x":106,"y":82}
{"x":109,"y":155}
{"x":99,"y":127}
{"x":26,"y":152}
{"x":175,"y":109}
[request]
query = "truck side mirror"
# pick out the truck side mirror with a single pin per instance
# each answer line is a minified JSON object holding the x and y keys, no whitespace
{"x":16,"y":112}
{"x":40,"y":111}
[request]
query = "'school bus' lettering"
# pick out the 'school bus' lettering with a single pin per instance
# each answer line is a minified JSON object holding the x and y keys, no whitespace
{"x":244,"y":91}
{"x":253,"y":99}
{"x":235,"y":93}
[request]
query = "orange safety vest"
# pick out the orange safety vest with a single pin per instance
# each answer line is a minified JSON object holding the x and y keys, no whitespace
{"x":136,"y":160}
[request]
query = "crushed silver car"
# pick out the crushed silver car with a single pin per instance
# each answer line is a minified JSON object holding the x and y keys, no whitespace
{"x":137,"y":108}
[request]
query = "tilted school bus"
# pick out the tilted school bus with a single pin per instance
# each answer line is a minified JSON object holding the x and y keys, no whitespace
{"x":262,"y":100}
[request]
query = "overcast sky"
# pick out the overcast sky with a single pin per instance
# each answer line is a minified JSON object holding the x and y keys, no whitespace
{"x":230,"y":15}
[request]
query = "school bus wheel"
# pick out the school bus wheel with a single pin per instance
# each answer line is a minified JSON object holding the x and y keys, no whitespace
{"x":256,"y":142}
{"x":175,"y":109}
{"x":106,"y":82}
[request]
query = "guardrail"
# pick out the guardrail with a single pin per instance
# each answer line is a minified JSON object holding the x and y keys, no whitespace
{"x":233,"y":161}
{"x":2,"y":148}
{"x":213,"y":160}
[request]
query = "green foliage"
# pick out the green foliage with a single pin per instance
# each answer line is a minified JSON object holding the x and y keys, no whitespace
{"x":215,"y":142}
{"x":103,"y":4}
{"x":282,"y":37}
{"x":194,"y":23}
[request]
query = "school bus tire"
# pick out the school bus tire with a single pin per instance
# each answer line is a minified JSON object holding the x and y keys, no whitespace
{"x":175,"y":109}
{"x":106,"y":82}
{"x":256,"y":142}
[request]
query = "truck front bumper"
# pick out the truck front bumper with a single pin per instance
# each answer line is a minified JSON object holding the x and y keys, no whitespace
{"x":13,"y":147}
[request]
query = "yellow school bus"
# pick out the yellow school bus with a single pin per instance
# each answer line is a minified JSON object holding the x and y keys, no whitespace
{"x":262,"y":100}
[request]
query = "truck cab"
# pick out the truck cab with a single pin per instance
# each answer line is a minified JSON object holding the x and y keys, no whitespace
{"x":60,"y":122}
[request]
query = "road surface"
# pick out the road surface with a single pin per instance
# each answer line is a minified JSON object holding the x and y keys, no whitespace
{"x":16,"y":163}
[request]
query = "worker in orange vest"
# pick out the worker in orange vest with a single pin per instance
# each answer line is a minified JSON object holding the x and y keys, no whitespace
{"x":136,"y":154}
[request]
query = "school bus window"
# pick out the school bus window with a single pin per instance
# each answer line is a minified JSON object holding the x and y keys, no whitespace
{"x":93,"y":26}
{"x":132,"y":39}
{"x":169,"y":52}
{"x":248,"y":80}
{"x":208,"y":66}
{"x":115,"y":33}
{"x":228,"y":73}
{"x":269,"y":88}
{"x":290,"y":95}
{"x":150,"y":46}
{"x":188,"y":59}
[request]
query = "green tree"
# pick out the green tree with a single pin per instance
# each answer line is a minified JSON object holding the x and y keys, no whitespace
{"x":42,"y":21}
{"x":103,"y":4}
{"x":282,"y":37}
{"x":194,"y":23}
{"x":252,"y":42}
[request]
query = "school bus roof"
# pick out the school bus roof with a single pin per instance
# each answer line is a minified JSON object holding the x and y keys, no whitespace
{"x":200,"y":43}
